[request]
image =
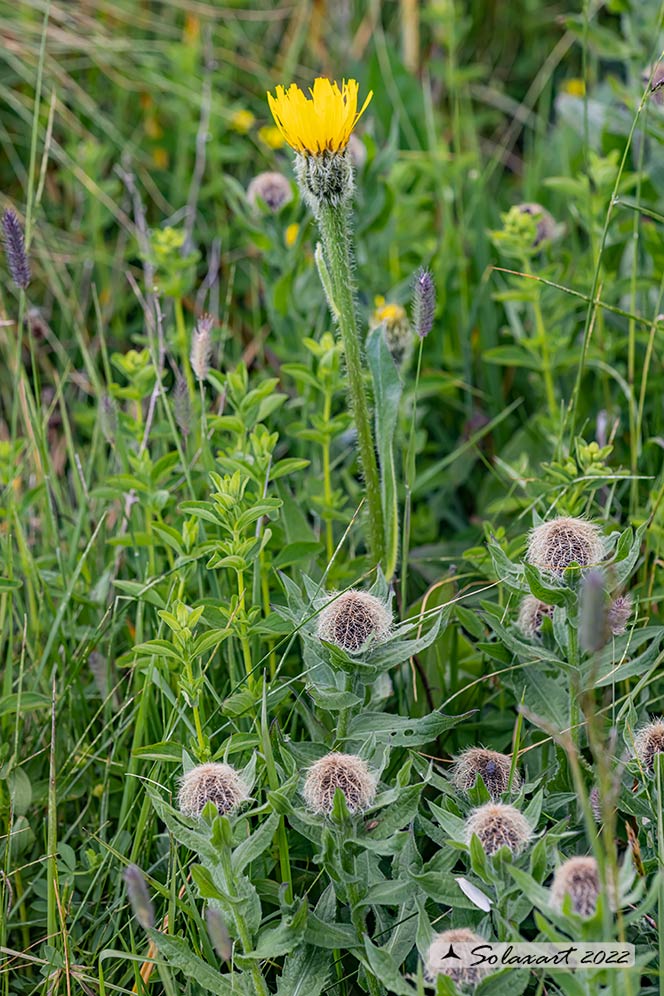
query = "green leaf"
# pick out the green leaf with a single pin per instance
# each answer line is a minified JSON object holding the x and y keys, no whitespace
{"x":284,"y":938}
{"x":25,"y":702}
{"x":382,"y":965}
{"x":402,"y":731}
{"x":254,"y":845}
{"x":387,"y":395}
{"x":305,"y":973}
{"x":178,"y":954}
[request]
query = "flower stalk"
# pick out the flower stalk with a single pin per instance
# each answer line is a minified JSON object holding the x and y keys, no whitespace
{"x":334,"y":227}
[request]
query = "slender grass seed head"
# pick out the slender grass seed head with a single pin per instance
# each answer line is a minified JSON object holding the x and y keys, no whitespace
{"x":17,"y":258}
{"x":347,"y":772}
{"x":554,"y":545}
{"x":497,"y":825}
{"x":220,"y":784}
{"x":352,"y":618}
{"x":108,"y":418}
{"x":424,"y":302}
{"x":531,"y":616}
{"x":620,"y":611}
{"x":201,"y":347}
{"x":648,"y":742}
{"x":272,"y":189}
{"x":493,"y":767}
{"x":442,"y":959}
{"x":577,"y":878}
{"x":139,"y":897}
{"x":182,"y":404}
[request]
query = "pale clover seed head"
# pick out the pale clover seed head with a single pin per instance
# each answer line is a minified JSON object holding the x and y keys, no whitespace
{"x":648,"y":742}
{"x":554,"y":545}
{"x":440,"y":960}
{"x":353,"y":618}
{"x":273,"y":189}
{"x":493,"y":767}
{"x":497,"y":825}
{"x":577,"y":878}
{"x":347,"y":772}
{"x":531,"y":616}
{"x":220,"y":784}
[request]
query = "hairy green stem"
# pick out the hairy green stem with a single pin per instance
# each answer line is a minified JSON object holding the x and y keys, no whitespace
{"x":334,"y":227}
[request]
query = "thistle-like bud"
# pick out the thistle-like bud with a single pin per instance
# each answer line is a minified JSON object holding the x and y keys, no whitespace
{"x":648,"y":742}
{"x":108,"y":418}
{"x":546,"y":226}
{"x":555,"y":545}
{"x":220,"y":784}
{"x":17,"y":258}
{"x":442,"y":959}
{"x":493,"y":767}
{"x":577,"y":878}
{"x":326,"y":178}
{"x":139,"y":897}
{"x":182,"y":404}
{"x":273,"y":189}
{"x":496,"y":826}
{"x":619,"y":613}
{"x":201,"y":347}
{"x":397,"y":331}
{"x":531,"y":616}
{"x":347,"y":772}
{"x":357,"y":150}
{"x":424,"y":302}
{"x":352,"y":618}
{"x":593,"y":624}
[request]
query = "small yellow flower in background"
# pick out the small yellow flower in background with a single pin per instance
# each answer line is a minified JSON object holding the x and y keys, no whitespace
{"x":242,"y":121}
{"x":574,"y":87}
{"x":389,"y":313}
{"x":160,"y":158}
{"x":271,"y":136}
{"x":191,"y":32}
{"x":322,"y":123}
{"x":291,"y":234}
{"x":152,"y":127}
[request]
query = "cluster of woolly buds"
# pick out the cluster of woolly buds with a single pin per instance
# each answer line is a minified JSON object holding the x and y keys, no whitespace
{"x":619,"y":614}
{"x":493,"y":767}
{"x":497,"y":825}
{"x":577,"y":878}
{"x":397,"y":330}
{"x":442,"y":959}
{"x":648,"y":742}
{"x":531,"y":616}
{"x":554,"y":545}
{"x":546,"y":226}
{"x":351,"y":619}
{"x":271,"y":189}
{"x":347,"y":772}
{"x":219,"y":784}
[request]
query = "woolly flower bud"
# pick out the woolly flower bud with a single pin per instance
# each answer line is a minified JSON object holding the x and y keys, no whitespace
{"x":17,"y":258}
{"x":531,"y":616}
{"x":577,"y":878}
{"x":442,"y":959}
{"x":396,"y":330}
{"x":555,"y":545}
{"x":352,"y":618}
{"x":273,"y":189}
{"x":358,"y":151}
{"x":139,"y":896}
{"x":648,"y":742}
{"x":546,"y":226}
{"x":619,"y":613}
{"x":326,"y":178}
{"x":200,"y":347}
{"x":493,"y":767}
{"x":496,"y":826}
{"x":217,"y":783}
{"x":424,"y":302}
{"x":347,"y":772}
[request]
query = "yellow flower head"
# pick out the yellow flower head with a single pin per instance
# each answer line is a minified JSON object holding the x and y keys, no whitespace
{"x":321,"y":123}
{"x":391,"y":314}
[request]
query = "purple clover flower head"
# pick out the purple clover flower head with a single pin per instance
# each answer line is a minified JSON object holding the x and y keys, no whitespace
{"x":424,"y":302}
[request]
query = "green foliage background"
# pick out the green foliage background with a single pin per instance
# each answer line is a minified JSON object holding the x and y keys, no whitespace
{"x":166,"y":542}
